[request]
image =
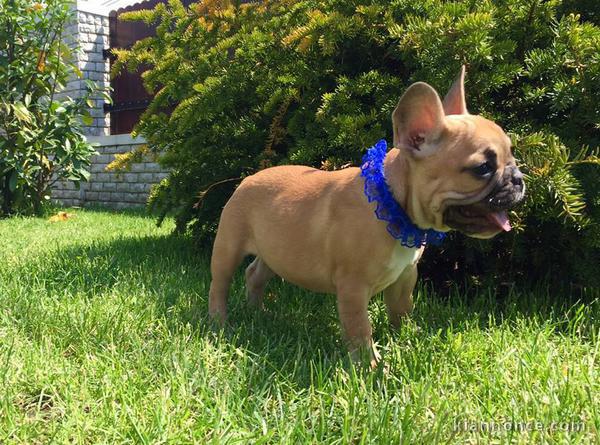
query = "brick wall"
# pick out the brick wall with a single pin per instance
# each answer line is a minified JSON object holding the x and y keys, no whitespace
{"x":111,"y":189}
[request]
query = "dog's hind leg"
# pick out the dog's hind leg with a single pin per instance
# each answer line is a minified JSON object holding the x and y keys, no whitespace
{"x":228,"y":252}
{"x":257,"y":276}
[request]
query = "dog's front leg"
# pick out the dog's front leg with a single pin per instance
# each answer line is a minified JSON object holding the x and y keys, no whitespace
{"x":398,"y":296}
{"x":352,"y":302}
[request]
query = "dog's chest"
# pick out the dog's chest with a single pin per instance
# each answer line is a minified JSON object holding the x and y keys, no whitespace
{"x":395,"y":263}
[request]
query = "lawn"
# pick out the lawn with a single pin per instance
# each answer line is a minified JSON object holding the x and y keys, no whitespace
{"x":104,"y":339}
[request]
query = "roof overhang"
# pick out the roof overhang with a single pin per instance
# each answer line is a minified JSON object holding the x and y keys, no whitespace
{"x":103,"y":7}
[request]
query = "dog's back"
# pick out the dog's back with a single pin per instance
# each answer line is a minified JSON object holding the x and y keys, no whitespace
{"x":284,"y":216}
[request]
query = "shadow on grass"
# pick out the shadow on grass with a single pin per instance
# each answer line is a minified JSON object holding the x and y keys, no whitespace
{"x":296,"y":324}
{"x":172,"y":276}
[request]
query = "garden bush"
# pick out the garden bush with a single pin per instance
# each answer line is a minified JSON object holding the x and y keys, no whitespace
{"x":243,"y":86}
{"x":41,"y":139}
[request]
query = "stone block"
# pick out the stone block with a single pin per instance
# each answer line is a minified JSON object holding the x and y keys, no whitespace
{"x":84,"y":28}
{"x":124,"y":148}
{"x":138,"y":167}
{"x":109,"y":186}
{"x":96,"y":57}
{"x":104,"y":196}
{"x":70,"y":194}
{"x":69,"y":202}
{"x":88,"y":47}
{"x":117,"y":197}
{"x":160,"y":176}
{"x":103,"y":177}
{"x":96,"y":186}
{"x":123,"y":187}
{"x":138,"y":187}
{"x":116,"y":177}
{"x":131,"y":177}
{"x":92,"y":196}
{"x":146,"y":177}
{"x":104,"y":159}
{"x":97,"y":167}
{"x":97,"y":114}
{"x":93,"y":75}
{"x":105,"y":149}
{"x":122,"y":205}
{"x":93,"y":131}
{"x":152,"y":167}
{"x":98,"y":37}
{"x":134,"y":197}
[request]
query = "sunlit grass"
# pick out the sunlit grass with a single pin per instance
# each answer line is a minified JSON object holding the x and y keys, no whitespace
{"x":104,"y":339}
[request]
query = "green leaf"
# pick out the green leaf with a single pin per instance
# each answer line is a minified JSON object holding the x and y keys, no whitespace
{"x":12,"y":182}
{"x":87,"y":119}
{"x":21,"y":112}
{"x":84,"y":174}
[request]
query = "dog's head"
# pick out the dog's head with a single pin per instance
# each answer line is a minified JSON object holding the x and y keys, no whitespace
{"x":462,"y":174}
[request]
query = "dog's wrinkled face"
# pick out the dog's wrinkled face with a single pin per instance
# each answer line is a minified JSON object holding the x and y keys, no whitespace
{"x":487,"y":182}
{"x":463,"y":173}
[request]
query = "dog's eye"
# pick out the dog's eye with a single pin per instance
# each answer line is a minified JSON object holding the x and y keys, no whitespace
{"x":483,"y":170}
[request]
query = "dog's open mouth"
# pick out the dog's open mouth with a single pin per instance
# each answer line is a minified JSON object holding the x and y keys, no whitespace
{"x":476,"y":219}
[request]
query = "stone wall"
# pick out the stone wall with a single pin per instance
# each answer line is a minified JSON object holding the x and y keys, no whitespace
{"x":88,"y":36}
{"x":111,"y":189}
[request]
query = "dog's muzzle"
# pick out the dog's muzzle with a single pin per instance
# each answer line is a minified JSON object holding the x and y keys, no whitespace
{"x":488,"y":217}
{"x":510,"y":190}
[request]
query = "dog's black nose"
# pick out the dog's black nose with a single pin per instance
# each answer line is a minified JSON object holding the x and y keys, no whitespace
{"x":517,"y":177}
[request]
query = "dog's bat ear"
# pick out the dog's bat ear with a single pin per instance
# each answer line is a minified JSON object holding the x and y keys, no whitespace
{"x":454,"y":102}
{"x":418,"y":120}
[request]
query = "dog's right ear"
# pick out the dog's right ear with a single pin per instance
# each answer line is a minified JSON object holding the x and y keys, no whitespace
{"x":418,"y":120}
{"x":454,"y":101}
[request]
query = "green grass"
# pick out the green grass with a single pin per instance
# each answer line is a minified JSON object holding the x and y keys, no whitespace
{"x":104,"y":339}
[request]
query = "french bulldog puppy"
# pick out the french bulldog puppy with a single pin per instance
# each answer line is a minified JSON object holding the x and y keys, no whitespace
{"x":448,"y":170}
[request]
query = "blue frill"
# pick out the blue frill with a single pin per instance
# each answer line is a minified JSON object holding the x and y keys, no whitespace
{"x":376,"y":189}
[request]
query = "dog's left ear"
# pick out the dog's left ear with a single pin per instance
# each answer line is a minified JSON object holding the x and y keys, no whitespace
{"x":418,"y":120}
{"x":454,"y":102}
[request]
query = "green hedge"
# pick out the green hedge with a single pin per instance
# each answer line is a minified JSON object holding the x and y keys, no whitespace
{"x":240,"y":87}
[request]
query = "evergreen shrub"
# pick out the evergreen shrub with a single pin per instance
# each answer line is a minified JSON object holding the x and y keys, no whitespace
{"x":243,"y":86}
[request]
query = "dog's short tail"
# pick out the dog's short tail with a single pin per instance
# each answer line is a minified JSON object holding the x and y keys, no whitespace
{"x":205,"y":192}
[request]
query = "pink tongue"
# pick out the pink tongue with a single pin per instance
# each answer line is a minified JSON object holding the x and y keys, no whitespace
{"x":500,"y":219}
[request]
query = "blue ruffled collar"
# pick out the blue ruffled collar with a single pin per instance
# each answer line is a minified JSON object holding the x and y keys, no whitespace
{"x":376,"y":189}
